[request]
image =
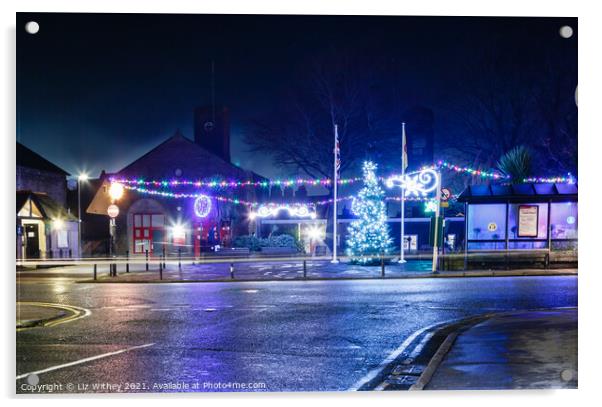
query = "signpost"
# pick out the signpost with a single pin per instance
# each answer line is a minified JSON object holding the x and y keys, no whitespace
{"x":437,"y":234}
{"x":445,"y":194}
{"x":113,"y":212}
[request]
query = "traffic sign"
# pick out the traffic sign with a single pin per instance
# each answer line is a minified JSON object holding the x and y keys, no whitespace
{"x":445,"y":194}
{"x":113,"y":211}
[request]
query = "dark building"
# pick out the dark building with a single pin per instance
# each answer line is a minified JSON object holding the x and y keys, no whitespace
{"x":45,"y":228}
{"x":212,"y":130}
{"x":94,"y":229}
{"x":37,"y":174}
{"x":150,"y":220}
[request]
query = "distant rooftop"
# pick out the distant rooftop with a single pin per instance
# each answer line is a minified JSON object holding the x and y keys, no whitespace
{"x":49,"y":207}
{"x":30,"y":159}
{"x":533,"y":192}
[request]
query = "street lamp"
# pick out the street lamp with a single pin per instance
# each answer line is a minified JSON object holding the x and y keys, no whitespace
{"x":315,"y":234}
{"x":115,"y":191}
{"x":83,"y":177}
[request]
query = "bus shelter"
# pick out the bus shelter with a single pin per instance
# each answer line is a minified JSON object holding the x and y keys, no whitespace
{"x":522,"y":217}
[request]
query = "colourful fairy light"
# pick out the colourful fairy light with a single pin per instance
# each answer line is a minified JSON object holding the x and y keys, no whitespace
{"x":234,"y":183}
{"x":468,"y":170}
{"x":569,"y":179}
{"x":324,"y":182}
{"x":236,"y":201}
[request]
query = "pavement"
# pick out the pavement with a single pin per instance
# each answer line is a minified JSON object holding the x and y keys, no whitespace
{"x":320,"y":335}
{"x":29,"y":315}
{"x":527,"y":350}
{"x":290,"y":269}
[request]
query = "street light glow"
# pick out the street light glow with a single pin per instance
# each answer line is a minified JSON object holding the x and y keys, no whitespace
{"x":58,"y":224}
{"x":116,"y":191}
{"x":315,"y":233}
{"x":178,"y":231}
{"x":82,"y":177}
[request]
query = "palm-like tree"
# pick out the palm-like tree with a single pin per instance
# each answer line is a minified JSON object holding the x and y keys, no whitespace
{"x":516,"y":164}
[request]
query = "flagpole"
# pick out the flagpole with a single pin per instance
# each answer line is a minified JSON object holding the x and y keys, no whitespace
{"x":334,"y":203}
{"x":403,"y":172}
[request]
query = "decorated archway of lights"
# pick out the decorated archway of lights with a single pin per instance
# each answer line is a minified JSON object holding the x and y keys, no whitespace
{"x":296,"y":210}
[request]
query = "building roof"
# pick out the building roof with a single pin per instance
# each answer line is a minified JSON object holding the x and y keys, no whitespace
{"x":530,"y":192}
{"x":49,"y":208}
{"x":30,"y":159}
{"x":180,"y":157}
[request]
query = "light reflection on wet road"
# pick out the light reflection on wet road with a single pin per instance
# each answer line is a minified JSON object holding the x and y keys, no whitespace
{"x":291,"y":336}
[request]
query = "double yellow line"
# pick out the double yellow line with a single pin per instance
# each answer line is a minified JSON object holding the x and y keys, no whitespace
{"x":75,"y":313}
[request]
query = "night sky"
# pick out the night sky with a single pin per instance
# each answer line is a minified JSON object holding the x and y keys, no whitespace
{"x":95,"y":91}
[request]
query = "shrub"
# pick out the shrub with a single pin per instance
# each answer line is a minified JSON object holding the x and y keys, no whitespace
{"x":255,"y":243}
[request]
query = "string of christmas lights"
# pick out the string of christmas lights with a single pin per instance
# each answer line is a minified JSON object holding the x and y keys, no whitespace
{"x":468,"y":170}
{"x":236,"y":201}
{"x":182,"y":195}
{"x":569,"y":179}
{"x":291,"y":182}
{"x":235,"y":184}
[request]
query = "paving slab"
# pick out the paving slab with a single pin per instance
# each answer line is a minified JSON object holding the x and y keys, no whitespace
{"x":528,"y":350}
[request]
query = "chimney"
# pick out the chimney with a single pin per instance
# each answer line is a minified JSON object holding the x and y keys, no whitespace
{"x":212,"y":130}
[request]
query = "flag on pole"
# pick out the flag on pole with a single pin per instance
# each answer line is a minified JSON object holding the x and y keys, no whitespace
{"x":337,"y":168}
{"x":404,"y":156}
{"x":337,"y":153}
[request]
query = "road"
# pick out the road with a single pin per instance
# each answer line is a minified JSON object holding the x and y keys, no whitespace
{"x":274,"y":336}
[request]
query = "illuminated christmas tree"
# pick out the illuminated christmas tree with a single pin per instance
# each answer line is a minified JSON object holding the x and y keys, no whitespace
{"x":369,"y":234}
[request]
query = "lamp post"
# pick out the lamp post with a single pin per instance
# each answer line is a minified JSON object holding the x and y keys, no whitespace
{"x":83,"y":177}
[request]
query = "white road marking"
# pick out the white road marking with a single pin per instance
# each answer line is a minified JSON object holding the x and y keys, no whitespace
{"x":85,"y":360}
{"x":393,"y":355}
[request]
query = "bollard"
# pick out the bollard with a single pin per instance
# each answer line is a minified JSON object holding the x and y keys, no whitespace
{"x":115,"y":270}
{"x":127,"y":261}
{"x":232,"y":271}
{"x":60,"y":253}
{"x":164,"y":256}
{"x":382,"y":266}
{"x":304,"y":269}
{"x":94,"y":272}
{"x":146,"y":259}
{"x":160,"y":268}
{"x":180,"y":259}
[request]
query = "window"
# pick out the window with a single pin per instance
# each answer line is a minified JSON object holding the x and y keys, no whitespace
{"x":564,"y":220}
{"x":487,"y":222}
{"x":148,"y":232}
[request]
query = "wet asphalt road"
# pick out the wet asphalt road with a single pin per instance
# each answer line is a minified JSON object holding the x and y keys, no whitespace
{"x":282,"y":336}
